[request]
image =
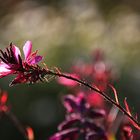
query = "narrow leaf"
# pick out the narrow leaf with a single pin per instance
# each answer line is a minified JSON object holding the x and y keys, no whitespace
{"x":128,"y":111}
{"x":127,"y":107}
{"x":115,"y":93}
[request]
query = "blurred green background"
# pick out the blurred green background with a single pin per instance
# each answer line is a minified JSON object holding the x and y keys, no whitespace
{"x":65,"y":31}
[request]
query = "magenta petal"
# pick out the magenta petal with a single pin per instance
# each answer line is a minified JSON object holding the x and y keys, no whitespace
{"x":4,"y":71}
{"x":27,"y":48}
{"x":70,"y":103}
{"x":16,"y":51}
{"x":36,"y":59}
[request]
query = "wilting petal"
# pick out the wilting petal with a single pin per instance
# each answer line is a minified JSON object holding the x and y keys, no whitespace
{"x":95,"y":136}
{"x":68,"y":123}
{"x":81,"y":104}
{"x":95,"y":113}
{"x":69,"y":134}
{"x":68,"y":82}
{"x":129,"y":112}
{"x":127,"y":133}
{"x":4,"y":71}
{"x":70,"y":103}
{"x":27,"y":48}
{"x":35,"y":60}
{"x":92,"y":126}
{"x":16,"y":51}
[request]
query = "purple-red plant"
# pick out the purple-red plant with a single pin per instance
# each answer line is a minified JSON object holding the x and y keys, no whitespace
{"x":83,"y":120}
{"x":12,"y":63}
{"x":127,"y":133}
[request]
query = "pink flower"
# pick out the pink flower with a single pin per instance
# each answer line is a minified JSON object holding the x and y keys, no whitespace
{"x":26,"y":69}
{"x":11,"y":61}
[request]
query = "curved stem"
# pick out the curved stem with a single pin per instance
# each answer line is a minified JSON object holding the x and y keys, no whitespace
{"x":50,"y":72}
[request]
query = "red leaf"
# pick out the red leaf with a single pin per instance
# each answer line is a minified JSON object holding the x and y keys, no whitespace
{"x":127,"y":107}
{"x":129,"y":112}
{"x":115,"y":93}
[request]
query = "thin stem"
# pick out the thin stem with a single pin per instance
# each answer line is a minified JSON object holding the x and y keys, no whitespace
{"x":98,"y":91}
{"x":17,"y":123}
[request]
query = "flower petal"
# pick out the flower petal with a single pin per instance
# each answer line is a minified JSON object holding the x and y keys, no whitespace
{"x":27,"y":48}
{"x":96,"y":113}
{"x":4,"y":71}
{"x":70,"y":103}
{"x":94,"y":127}
{"x":35,"y":60}
{"x":16,"y":52}
{"x":68,"y":123}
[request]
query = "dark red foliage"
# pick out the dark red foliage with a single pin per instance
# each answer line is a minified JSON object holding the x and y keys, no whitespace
{"x":127,"y":133}
{"x":81,"y":121}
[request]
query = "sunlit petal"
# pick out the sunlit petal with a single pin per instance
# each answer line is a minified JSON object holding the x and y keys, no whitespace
{"x":16,"y":52}
{"x":36,"y":59}
{"x":27,"y":48}
{"x":4,"y":71}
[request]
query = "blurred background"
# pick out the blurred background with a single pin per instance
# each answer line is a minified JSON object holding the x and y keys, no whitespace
{"x":66,"y":31}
